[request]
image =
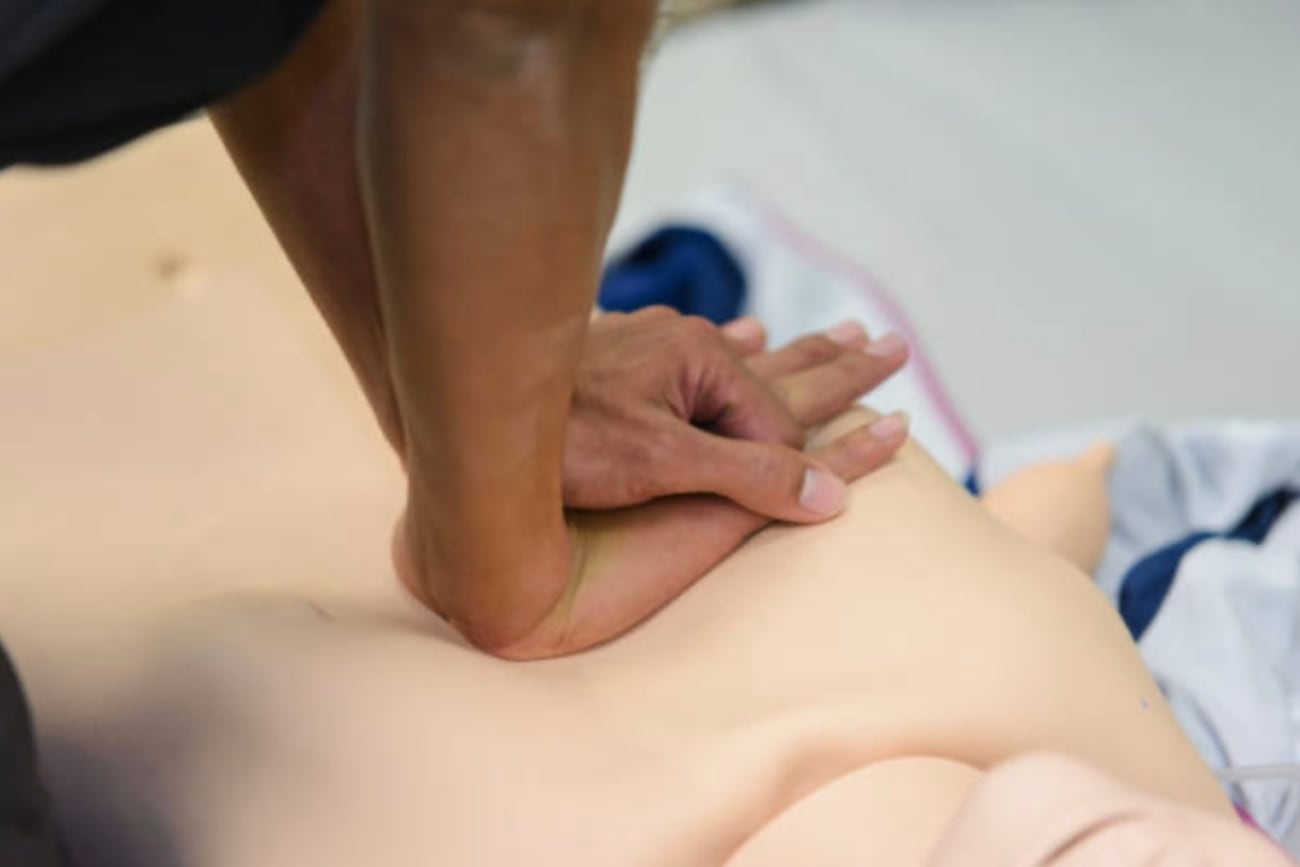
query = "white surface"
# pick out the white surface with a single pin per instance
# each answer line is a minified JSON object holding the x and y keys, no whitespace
{"x":1089,"y":207}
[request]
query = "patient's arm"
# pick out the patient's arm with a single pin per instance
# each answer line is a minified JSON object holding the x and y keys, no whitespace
{"x":1062,"y":505}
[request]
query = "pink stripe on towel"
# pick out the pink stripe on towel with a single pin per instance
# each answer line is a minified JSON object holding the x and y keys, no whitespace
{"x":819,"y":251}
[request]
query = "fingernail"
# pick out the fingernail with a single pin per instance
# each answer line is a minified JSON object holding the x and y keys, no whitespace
{"x":889,"y":427}
{"x":887,"y":346}
{"x":747,"y":328}
{"x":847,"y":334}
{"x":823,"y":493}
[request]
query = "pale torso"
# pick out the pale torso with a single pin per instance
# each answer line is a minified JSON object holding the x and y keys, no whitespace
{"x":226,"y":673}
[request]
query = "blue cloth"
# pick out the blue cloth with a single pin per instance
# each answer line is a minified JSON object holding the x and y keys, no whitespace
{"x":679,"y":266}
{"x":1147,"y":583}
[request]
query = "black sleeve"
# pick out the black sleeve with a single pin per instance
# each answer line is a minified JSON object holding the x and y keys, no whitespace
{"x":79,"y":77}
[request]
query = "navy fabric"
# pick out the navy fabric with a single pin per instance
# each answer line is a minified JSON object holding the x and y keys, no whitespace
{"x":683,"y":267}
{"x":1146,"y":585}
{"x":972,"y":482}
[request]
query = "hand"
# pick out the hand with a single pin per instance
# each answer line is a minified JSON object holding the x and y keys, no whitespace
{"x":470,"y":357}
{"x":666,"y":404}
{"x":625,"y":564}
{"x":629,"y":563}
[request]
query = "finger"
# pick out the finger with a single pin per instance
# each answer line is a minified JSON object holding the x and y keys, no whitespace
{"x":769,"y":479}
{"x":746,"y":408}
{"x":724,"y":396}
{"x":864,"y":449}
{"x":746,"y":335}
{"x":782,"y":483}
{"x":809,"y":351}
{"x":668,"y":544}
{"x":820,"y":393}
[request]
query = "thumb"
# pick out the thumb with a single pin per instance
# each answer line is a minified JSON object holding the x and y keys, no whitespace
{"x":773,"y":480}
{"x":784,"y":484}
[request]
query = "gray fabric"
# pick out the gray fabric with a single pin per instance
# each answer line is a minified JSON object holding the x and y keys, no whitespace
{"x":1225,"y":649}
{"x":1171,"y":482}
{"x":1225,"y":645}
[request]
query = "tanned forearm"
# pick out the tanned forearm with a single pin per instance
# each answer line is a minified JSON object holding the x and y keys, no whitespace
{"x":494,"y":136}
{"x":293,"y":137}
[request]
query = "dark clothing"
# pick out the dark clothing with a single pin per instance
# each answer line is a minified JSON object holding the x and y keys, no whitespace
{"x":79,"y":77}
{"x":27,"y":833}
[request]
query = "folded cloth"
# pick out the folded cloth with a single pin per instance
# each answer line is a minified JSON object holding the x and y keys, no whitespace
{"x":1146,"y":585}
{"x":794,"y":285}
{"x":683,"y":267}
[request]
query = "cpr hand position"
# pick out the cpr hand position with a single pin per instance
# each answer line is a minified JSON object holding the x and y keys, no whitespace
{"x":683,"y":440}
{"x":666,"y":404}
{"x":627,"y":563}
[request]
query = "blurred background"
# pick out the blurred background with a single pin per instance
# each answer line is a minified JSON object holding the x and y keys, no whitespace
{"x":1089,"y":209}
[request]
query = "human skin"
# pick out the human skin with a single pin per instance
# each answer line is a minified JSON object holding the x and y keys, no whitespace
{"x":1062,"y":505}
{"x":443,"y":174}
{"x":1037,"y":810}
{"x":1053,"y":811}
{"x":224,"y":671}
{"x":300,"y":714}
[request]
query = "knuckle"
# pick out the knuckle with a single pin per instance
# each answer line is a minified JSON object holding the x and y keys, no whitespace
{"x":697,"y":329}
{"x":763,"y":414}
{"x":782,"y":469}
{"x":862,"y":450}
{"x":854,"y":369}
{"x":695,"y":337}
{"x":656,"y":312}
{"x":816,"y":349}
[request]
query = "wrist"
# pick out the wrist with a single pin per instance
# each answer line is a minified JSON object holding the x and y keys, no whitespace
{"x":503,"y":595}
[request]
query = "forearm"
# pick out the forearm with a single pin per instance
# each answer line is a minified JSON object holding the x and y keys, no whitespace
{"x":293,"y":137}
{"x":493,"y":139}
